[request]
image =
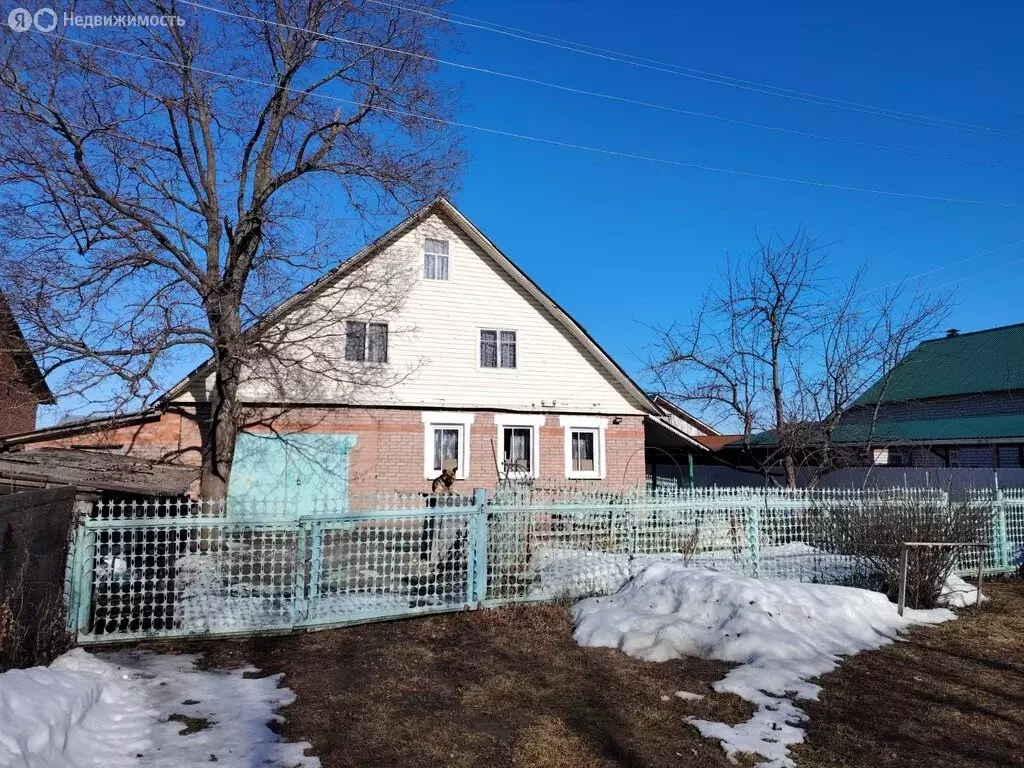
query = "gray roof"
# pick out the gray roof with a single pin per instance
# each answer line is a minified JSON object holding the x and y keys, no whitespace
{"x":95,"y":471}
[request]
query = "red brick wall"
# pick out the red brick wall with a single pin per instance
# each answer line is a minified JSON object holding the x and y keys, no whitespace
{"x":390,"y":443}
{"x":17,"y":402}
{"x":168,"y":437}
{"x":389,"y":447}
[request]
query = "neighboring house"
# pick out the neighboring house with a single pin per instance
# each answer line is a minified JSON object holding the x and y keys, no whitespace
{"x":22,"y":386}
{"x":470,"y":365}
{"x":956,"y":401}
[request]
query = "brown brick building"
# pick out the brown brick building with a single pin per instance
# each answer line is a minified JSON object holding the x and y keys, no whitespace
{"x":22,"y":386}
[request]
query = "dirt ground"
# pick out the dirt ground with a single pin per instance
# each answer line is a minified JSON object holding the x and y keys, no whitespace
{"x":509,"y":687}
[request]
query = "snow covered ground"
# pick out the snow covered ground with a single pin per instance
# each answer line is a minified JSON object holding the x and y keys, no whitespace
{"x":782,"y":634}
{"x":112,"y":711}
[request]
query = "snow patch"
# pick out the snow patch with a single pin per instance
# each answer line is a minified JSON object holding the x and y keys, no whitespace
{"x":781,"y":634}
{"x":957,"y":593}
{"x":687,"y":696}
{"x":113,"y":710}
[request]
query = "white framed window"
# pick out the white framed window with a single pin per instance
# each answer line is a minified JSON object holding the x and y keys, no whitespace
{"x":366,"y":342}
{"x":435,"y":259}
{"x":518,"y":445}
{"x":446,"y":443}
{"x":584,"y":446}
{"x":498,"y":349}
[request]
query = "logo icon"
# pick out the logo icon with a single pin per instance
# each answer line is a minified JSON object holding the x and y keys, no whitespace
{"x":45,"y":19}
{"x":20,"y":20}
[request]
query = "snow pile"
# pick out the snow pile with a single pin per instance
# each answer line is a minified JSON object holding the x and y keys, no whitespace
{"x":782,"y":635}
{"x":564,"y":572}
{"x":113,"y":711}
{"x":957,"y":593}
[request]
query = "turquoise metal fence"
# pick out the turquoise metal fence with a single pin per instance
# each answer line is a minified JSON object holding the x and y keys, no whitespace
{"x":175,"y":569}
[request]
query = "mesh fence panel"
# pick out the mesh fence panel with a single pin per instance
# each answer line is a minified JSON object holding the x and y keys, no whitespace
{"x":179,"y":567}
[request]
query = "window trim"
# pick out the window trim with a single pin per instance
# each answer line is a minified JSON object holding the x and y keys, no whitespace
{"x":597,"y":424}
{"x":451,"y":420}
{"x":480,"y":358}
{"x":522,"y":421}
{"x":447,"y":257}
{"x":366,"y":341}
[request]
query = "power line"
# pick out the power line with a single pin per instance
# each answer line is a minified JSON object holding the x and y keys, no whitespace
{"x":983,"y":272}
{"x":702,"y":75}
{"x":606,"y":96}
{"x":951,"y":264}
{"x":540,"y":139}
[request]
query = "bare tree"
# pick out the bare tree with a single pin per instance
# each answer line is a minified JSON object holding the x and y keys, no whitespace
{"x":163,"y":187}
{"x":781,"y":347}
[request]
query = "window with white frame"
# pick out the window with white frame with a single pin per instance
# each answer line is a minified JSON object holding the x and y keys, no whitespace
{"x":497,"y":349}
{"x":435,"y":259}
{"x":366,"y":342}
{"x":519,"y":441}
{"x":446,"y":443}
{"x":584,"y":446}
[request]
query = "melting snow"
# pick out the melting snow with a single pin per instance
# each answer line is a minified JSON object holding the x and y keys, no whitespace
{"x":112,"y":710}
{"x":782,"y":634}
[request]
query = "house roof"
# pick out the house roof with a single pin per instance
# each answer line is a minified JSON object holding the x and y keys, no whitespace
{"x":672,"y":409}
{"x":967,"y":363}
{"x":717,"y":442}
{"x":966,"y":429}
{"x":12,"y":340}
{"x":95,"y":471}
{"x":444,"y":206}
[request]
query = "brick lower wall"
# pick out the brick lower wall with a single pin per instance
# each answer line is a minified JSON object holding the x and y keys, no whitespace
{"x":172,"y":437}
{"x":389,"y":451}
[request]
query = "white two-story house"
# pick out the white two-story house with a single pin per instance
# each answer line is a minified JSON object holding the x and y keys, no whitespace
{"x":428,"y":349}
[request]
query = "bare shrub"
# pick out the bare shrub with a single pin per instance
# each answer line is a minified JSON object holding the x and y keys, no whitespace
{"x":30,"y":635}
{"x":874,"y":533}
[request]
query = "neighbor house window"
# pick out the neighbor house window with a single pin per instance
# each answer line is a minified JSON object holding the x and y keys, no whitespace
{"x":584,"y":446}
{"x":435,"y":259}
{"x":366,"y":342}
{"x":497,"y":349}
{"x":446,"y":443}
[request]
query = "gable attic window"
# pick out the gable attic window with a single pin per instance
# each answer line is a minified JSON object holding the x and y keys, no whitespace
{"x":497,"y":349}
{"x":435,"y":259}
{"x":366,"y":342}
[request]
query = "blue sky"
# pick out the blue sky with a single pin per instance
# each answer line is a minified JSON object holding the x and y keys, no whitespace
{"x":622,"y":243}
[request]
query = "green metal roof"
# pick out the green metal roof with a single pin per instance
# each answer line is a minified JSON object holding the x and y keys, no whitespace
{"x":965,"y":429}
{"x":982,"y":361}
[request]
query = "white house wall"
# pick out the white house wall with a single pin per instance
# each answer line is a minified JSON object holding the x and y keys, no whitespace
{"x":434,"y":329}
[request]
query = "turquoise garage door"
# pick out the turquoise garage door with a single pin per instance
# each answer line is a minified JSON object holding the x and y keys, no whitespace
{"x":291,"y":474}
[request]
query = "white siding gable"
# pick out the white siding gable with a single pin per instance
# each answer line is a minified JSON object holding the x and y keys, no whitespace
{"x":434,"y":339}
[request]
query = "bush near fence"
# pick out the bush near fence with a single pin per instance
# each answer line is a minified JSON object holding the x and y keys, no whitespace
{"x":35,"y":528}
{"x":193,"y":568}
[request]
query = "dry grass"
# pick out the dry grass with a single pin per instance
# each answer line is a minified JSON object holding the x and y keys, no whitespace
{"x":509,"y":687}
{"x":953,"y":695}
{"x":505,"y":687}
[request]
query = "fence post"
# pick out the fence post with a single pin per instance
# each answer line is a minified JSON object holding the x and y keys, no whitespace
{"x":754,"y":536}
{"x":478,"y":554}
{"x":316,"y":559}
{"x":1000,"y":541}
{"x":83,"y":563}
{"x":303,"y":596}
